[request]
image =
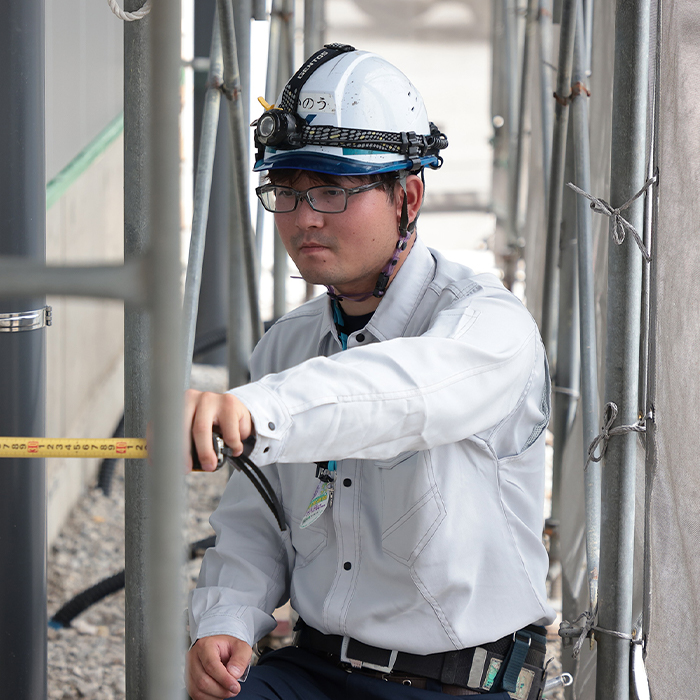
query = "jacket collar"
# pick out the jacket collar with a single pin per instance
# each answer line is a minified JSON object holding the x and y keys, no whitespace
{"x":400,"y":301}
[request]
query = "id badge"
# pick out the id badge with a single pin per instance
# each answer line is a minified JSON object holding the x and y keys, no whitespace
{"x":319,"y":502}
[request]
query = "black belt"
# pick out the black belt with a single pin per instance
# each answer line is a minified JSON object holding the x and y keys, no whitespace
{"x":476,"y":667}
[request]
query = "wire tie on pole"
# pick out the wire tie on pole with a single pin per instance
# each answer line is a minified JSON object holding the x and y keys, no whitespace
{"x":620,"y":225}
{"x":568,"y":630}
{"x":129,"y":16}
{"x":563,"y":101}
{"x":579,"y":88}
{"x":607,"y":431}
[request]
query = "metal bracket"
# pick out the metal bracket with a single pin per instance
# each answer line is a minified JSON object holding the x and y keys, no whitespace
{"x":25,"y":320}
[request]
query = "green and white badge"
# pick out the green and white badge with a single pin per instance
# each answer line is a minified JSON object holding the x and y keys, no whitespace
{"x":319,"y":502}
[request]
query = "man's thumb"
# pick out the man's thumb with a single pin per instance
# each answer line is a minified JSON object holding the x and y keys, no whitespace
{"x":238,"y":665}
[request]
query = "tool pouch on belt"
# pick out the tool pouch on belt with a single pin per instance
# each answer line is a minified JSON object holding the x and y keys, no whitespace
{"x":519,"y":671}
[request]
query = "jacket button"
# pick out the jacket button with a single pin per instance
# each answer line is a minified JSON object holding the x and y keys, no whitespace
{"x":360,"y":337}
{"x":347,"y":566}
{"x":347,"y":482}
{"x":271,"y":425}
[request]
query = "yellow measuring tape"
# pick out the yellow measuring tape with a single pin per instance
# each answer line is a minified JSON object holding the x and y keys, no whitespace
{"x":127,"y":448}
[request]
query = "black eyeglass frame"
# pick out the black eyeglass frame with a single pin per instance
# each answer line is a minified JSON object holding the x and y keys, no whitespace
{"x":304,"y":195}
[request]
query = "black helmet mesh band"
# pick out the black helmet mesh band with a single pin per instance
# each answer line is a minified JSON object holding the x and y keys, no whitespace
{"x":290,"y":96}
{"x":405,"y":143}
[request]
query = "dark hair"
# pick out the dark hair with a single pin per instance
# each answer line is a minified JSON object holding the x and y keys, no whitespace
{"x":288,"y":177}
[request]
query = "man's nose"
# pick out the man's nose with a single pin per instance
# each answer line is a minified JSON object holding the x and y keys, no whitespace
{"x":307,"y":216}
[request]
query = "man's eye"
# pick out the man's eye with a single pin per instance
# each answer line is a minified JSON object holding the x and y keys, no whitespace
{"x":285,"y":194}
{"x":332,"y":192}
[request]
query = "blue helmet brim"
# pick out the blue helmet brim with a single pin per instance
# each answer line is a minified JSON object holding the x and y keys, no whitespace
{"x":334,"y":165}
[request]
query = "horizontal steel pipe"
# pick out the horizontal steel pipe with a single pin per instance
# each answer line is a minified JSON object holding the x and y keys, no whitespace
{"x":19,"y":278}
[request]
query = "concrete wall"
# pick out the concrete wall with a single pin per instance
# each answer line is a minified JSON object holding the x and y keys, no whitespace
{"x":85,"y":344}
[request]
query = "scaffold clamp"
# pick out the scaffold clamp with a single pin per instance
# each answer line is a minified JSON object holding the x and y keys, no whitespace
{"x":25,"y":320}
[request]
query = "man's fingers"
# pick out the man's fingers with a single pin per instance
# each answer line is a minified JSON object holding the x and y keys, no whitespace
{"x":205,"y":415}
{"x":206,"y":409}
{"x":208,"y":676}
{"x":232,"y":422}
{"x":191,"y":399}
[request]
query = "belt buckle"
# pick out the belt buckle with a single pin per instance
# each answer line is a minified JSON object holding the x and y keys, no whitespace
{"x":359,"y":663}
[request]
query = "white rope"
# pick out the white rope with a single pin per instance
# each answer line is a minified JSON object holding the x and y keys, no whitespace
{"x":129,"y":16}
{"x":571,"y":629}
{"x":620,"y":225}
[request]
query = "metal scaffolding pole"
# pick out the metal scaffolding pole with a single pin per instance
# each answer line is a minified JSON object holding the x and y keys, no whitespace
{"x":136,"y":346}
{"x":166,"y":638}
{"x":202,"y":192}
{"x":627,"y":174}
{"x":23,"y":617}
{"x":314,"y":26}
{"x":514,"y":216}
{"x":510,"y":23}
{"x":556,"y":182}
{"x":544,"y":24}
{"x":284,"y":72}
{"x":586,"y":283}
{"x":499,"y":79}
{"x":565,"y":389}
{"x":244,"y":313}
{"x":271,"y":82}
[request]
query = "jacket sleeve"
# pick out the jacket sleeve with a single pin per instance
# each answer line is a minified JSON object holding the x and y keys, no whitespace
{"x":465,"y":375}
{"x":246,"y":575}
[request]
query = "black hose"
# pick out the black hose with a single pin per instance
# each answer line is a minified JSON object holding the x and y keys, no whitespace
{"x":88,"y":597}
{"x":81,"y":602}
{"x":108,"y":465}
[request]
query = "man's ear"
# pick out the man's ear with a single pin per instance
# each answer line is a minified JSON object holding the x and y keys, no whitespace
{"x":414,"y":197}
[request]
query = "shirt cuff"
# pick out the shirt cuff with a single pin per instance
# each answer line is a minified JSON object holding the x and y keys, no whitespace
{"x":270,"y":418}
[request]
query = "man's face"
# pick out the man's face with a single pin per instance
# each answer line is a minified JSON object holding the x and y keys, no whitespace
{"x":346,"y":250}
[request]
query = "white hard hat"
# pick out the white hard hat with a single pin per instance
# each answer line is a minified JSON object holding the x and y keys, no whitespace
{"x":354,"y":99}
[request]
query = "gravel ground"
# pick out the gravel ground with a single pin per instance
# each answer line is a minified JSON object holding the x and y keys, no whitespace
{"x":87,"y":659}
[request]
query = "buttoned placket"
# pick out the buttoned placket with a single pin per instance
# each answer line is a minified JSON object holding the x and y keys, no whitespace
{"x":345,"y":516}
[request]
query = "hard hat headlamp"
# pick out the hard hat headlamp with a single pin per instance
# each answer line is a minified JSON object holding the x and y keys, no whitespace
{"x":278,"y":129}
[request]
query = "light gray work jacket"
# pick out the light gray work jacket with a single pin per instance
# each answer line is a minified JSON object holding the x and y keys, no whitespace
{"x":436,"y":415}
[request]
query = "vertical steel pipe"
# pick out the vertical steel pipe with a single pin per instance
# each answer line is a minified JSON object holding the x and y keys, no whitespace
{"x":244,"y":329}
{"x":544,"y":24}
{"x":511,"y":41}
{"x":565,"y":388}
{"x":165,"y":592}
{"x":136,"y":346}
{"x":202,"y":192}
{"x":23,"y":618}
{"x":516,"y":243}
{"x":284,"y":72}
{"x":212,"y":312}
{"x":314,"y":28}
{"x":271,"y":84}
{"x":588,"y":34}
{"x":586,"y":282}
{"x":499,"y":79}
{"x":627,"y":174}
{"x":556,"y":183}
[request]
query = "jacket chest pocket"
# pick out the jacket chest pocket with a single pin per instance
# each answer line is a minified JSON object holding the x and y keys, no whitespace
{"x":412,"y":508}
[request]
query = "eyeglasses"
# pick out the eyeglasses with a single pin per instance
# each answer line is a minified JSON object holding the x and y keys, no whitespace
{"x":326,"y":199}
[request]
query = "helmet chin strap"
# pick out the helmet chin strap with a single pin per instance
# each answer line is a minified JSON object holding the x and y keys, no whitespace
{"x":406,"y":230}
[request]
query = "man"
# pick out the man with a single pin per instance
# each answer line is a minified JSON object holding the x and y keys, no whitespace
{"x":400,"y":419}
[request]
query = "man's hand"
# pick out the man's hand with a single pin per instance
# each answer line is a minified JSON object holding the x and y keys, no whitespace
{"x":206,"y":409}
{"x":214,"y":665}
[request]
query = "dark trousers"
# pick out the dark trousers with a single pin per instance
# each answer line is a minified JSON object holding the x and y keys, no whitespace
{"x":296,"y":674}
